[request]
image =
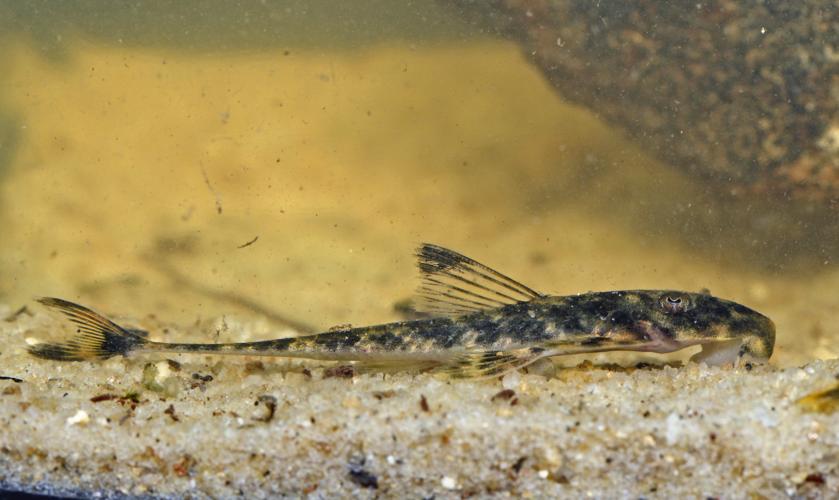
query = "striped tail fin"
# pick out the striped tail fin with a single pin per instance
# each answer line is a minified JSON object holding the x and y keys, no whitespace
{"x":96,"y":337}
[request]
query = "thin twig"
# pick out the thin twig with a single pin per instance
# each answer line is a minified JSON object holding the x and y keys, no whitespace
{"x":251,"y":242}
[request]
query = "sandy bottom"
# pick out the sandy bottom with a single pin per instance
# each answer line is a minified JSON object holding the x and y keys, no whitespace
{"x":245,"y":196}
{"x":215,"y":428}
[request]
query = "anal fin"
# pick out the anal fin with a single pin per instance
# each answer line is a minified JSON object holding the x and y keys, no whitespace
{"x":484,"y":364}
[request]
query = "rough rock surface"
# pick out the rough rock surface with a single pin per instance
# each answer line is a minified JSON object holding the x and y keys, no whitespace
{"x":743,"y":93}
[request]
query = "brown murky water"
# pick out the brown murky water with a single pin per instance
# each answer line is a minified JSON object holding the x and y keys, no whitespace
{"x":295,"y":179}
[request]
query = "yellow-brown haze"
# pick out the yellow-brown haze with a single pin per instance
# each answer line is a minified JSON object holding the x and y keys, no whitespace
{"x":133,"y":161}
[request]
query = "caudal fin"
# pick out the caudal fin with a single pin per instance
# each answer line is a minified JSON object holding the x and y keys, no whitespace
{"x":96,"y":337}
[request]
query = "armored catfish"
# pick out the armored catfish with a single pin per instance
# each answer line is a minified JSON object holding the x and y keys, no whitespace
{"x":480,"y":323}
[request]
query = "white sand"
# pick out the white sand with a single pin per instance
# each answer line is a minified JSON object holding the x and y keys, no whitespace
{"x":655,"y":432}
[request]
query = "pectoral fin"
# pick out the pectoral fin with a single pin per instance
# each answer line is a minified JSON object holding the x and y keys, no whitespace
{"x":394,"y":366}
{"x":485,"y":364}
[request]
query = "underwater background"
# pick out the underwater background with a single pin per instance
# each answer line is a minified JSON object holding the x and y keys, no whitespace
{"x":283,"y":160}
{"x":244,"y":170}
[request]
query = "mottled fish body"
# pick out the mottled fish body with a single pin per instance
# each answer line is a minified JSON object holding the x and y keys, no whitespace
{"x":483,"y":323}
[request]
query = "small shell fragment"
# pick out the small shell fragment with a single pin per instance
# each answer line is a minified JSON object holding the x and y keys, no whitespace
{"x":81,"y":418}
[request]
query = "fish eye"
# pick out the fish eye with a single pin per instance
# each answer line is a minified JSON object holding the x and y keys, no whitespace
{"x":675,"y":303}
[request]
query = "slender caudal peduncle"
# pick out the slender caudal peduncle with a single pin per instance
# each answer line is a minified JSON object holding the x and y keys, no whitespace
{"x":100,"y":338}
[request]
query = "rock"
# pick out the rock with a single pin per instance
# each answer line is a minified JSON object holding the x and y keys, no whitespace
{"x":745,"y":95}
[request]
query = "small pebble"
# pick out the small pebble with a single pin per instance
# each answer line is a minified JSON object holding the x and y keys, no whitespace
{"x":511,"y":380}
{"x":81,"y":418}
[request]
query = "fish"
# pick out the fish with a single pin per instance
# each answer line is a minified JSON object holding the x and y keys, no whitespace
{"x":476,"y":323}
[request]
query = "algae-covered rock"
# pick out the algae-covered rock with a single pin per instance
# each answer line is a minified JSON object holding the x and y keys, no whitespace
{"x":747,"y":94}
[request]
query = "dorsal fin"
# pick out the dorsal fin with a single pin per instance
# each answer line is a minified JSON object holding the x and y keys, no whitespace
{"x":453,"y":284}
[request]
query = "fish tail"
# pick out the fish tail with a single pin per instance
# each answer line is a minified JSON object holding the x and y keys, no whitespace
{"x":96,"y":337}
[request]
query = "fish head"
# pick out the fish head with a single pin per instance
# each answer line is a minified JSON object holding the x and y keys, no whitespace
{"x":727,"y":330}
{"x":669,"y":320}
